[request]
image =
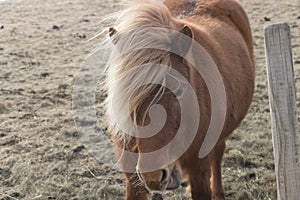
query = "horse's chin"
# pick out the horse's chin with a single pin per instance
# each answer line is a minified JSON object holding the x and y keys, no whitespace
{"x":173,"y":184}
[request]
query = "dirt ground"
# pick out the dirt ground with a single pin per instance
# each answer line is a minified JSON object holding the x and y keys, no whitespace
{"x":42,"y":46}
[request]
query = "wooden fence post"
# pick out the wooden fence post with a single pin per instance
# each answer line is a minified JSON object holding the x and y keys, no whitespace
{"x":282,"y":96}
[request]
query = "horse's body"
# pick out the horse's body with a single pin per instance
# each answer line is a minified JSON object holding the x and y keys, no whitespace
{"x":222,"y":28}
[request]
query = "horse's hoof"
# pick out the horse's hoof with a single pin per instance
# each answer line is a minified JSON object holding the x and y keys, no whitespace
{"x":156,"y":196}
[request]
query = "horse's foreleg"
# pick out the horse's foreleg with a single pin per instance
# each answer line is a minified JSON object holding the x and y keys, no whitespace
{"x":134,"y":188}
{"x":199,"y":179}
{"x":216,"y":177}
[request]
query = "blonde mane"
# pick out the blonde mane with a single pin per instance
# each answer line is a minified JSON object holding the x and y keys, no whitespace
{"x":127,"y":75}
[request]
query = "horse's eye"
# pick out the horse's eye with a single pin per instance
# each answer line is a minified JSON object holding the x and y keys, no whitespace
{"x":178,"y":93}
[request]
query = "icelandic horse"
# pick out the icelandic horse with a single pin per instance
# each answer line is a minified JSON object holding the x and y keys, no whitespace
{"x":222,"y":28}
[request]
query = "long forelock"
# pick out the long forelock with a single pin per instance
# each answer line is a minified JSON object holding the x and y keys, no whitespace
{"x":131,"y":66}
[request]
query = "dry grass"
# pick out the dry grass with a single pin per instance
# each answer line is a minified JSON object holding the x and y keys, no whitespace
{"x":37,"y":132}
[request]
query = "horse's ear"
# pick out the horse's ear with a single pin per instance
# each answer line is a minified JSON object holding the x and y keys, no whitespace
{"x":113,"y":34}
{"x":186,"y":30}
{"x":182,"y":43}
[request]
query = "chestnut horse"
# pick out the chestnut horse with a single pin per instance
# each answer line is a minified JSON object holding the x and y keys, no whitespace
{"x":222,"y":28}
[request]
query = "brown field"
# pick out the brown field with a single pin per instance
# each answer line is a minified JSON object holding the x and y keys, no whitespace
{"x":42,"y":45}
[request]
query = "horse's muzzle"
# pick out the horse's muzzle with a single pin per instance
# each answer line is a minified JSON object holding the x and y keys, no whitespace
{"x":161,"y":180}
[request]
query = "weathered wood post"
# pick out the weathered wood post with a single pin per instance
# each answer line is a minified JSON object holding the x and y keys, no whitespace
{"x":282,"y":96}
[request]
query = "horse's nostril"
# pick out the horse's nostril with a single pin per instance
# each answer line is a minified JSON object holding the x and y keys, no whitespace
{"x":164,"y":175}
